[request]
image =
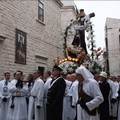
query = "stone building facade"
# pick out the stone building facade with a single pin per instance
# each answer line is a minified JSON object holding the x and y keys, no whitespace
{"x":43,"y":32}
{"x":112,"y":40}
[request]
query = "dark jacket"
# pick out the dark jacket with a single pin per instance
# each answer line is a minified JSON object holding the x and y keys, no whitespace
{"x":104,"y":107}
{"x":55,"y":100}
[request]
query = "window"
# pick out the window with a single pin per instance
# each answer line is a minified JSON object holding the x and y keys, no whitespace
{"x":41,"y":69}
{"x":40,"y":11}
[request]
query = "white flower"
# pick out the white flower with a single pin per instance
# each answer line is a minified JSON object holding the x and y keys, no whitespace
{"x":70,"y":69}
{"x":68,"y":66}
{"x":82,"y":19}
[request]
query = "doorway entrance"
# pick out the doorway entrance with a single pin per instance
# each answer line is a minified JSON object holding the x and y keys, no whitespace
{"x":41,"y":69}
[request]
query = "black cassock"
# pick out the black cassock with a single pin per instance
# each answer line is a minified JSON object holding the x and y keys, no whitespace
{"x":55,"y":100}
{"x":104,"y":107}
{"x":80,"y":40}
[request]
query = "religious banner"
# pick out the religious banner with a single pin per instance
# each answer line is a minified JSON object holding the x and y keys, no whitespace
{"x":20,"y":51}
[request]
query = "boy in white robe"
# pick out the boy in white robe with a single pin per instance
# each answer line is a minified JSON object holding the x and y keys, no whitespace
{"x":46,"y":87}
{"x":46,"y":76}
{"x":112,"y":95}
{"x":91,"y":88}
{"x":35,"y":109}
{"x":66,"y":99}
{"x":118,"y":109}
{"x":73,"y":94}
{"x":4,"y":96}
{"x":114,"y":101}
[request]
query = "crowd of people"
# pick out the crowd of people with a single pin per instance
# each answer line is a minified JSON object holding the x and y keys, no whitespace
{"x":60,"y":96}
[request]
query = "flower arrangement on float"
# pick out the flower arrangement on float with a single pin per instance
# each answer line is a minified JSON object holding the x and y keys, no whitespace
{"x":70,"y":63}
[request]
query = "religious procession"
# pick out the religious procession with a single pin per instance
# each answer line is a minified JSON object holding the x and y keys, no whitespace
{"x":59,"y":96}
{"x":50,"y":66}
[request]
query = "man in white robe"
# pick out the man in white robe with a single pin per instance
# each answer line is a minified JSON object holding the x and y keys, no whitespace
{"x":111,"y":95}
{"x":74,"y":90}
{"x":66,"y":98}
{"x":114,"y":101}
{"x":118,"y":111}
{"x":46,"y":87}
{"x":73,"y":95}
{"x":91,"y":88}
{"x":35,"y":109}
{"x":17,"y":109}
{"x":46,"y":76}
{"x":4,"y":96}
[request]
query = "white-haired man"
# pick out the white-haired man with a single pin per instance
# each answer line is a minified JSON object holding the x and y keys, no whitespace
{"x":89,"y":94}
{"x":105,"y":89}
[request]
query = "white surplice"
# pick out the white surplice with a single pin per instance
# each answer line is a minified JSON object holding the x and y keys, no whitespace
{"x":118,"y":116}
{"x":36,"y":99}
{"x":67,"y":102}
{"x":113,"y":95}
{"x":19,"y":112}
{"x":73,"y":94}
{"x":4,"y":92}
{"x":46,"y":87}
